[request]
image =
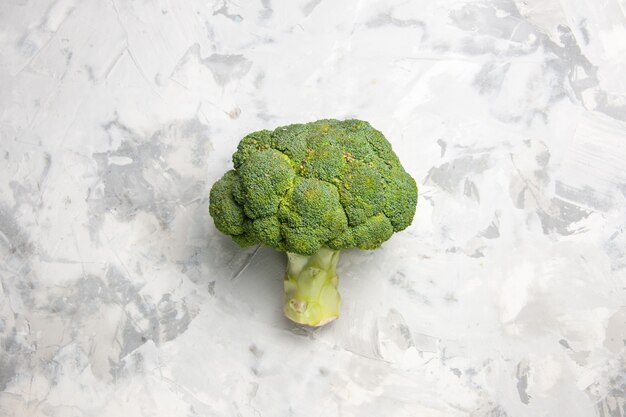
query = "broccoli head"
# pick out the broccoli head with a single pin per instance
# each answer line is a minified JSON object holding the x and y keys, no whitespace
{"x":311,"y":190}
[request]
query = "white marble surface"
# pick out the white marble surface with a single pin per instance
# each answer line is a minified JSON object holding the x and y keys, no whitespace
{"x":505,"y":298}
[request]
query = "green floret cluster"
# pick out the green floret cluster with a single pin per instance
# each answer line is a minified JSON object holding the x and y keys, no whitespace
{"x":330,"y":183}
{"x":299,"y":188}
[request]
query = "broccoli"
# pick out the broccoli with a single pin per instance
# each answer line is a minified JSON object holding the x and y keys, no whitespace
{"x":311,"y":190}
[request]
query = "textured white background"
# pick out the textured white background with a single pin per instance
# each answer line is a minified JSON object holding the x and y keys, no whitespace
{"x":505,"y":298}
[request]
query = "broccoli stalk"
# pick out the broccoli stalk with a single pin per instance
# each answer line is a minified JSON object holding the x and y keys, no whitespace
{"x":311,"y":295}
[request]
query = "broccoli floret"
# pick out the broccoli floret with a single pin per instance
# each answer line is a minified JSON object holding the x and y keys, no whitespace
{"x":312,"y":190}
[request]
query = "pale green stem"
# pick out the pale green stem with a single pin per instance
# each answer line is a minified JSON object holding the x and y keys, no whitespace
{"x":311,"y":295}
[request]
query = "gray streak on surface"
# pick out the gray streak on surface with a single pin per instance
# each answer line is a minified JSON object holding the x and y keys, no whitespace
{"x":443,"y":145}
{"x":267,"y":11}
{"x":492,"y":231}
{"x":223,"y":10}
{"x":310,"y":6}
{"x":491,"y":76}
{"x":387,"y":19}
{"x":226,"y":68}
{"x":8,"y":365}
{"x":522,"y":383}
{"x":449,"y":175}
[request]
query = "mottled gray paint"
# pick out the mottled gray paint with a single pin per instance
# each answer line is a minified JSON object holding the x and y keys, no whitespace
{"x":504,"y":298}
